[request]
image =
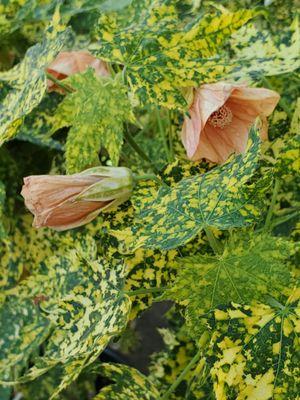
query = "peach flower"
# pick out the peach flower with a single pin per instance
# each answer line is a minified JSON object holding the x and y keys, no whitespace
{"x":71,"y":62}
{"x":220,"y":117}
{"x":68,"y":201}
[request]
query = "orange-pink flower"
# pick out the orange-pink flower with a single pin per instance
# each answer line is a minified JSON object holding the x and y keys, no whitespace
{"x":68,"y":201}
{"x":71,"y":62}
{"x":220,"y":117}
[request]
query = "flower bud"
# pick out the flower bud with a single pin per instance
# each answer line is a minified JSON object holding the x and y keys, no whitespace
{"x":68,"y":201}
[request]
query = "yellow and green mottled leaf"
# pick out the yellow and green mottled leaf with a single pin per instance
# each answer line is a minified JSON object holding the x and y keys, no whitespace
{"x":148,"y":269}
{"x":167,"y":364}
{"x":38,"y":123}
{"x":258,"y":54}
{"x":2,"y":199}
{"x":288,"y":162}
{"x":251,"y":267}
{"x":254,"y":350}
{"x":25,"y":247}
{"x":23,"y":329}
{"x":96,"y":112}
{"x":128,"y":384}
{"x":85,"y":306}
{"x":220,"y":198}
{"x":161,"y":54}
{"x":28,"y":80}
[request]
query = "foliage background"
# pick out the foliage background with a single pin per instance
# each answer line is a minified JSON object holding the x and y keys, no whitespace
{"x":66,"y":296}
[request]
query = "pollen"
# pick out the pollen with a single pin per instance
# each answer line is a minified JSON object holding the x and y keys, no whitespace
{"x":221,"y":118}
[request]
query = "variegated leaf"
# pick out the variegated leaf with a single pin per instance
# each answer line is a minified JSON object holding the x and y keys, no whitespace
{"x":161,"y":54}
{"x":220,"y":199}
{"x":2,"y":199}
{"x":28,"y":79}
{"x":96,"y":112}
{"x":288,"y":162}
{"x":253,"y":350}
{"x":258,"y":54}
{"x":251,"y":267}
{"x":23,"y":329}
{"x":85,"y":305}
{"x":129,"y":384}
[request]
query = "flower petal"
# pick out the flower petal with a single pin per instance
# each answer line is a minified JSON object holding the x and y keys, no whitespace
{"x":207,"y":99}
{"x":70,"y":214}
{"x":71,"y":62}
{"x":254,"y":101}
{"x":43,"y":192}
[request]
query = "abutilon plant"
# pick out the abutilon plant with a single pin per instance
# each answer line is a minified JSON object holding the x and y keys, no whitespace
{"x":156,"y":143}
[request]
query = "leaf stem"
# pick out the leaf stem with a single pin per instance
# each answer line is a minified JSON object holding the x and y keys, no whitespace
{"x":146,"y":291}
{"x":162,"y":134}
{"x":183,"y":374}
{"x":282,"y":102}
{"x":68,"y":89}
{"x":139,"y":150}
{"x":213,"y":241}
{"x":268,"y":223}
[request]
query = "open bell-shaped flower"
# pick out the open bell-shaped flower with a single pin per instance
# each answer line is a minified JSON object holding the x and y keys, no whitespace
{"x":67,"y":201}
{"x":220,"y":116}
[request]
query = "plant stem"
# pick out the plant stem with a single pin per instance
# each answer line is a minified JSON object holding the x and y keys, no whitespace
{"x":183,"y":374}
{"x":139,"y":150}
{"x":272,"y":205}
{"x":146,"y":177}
{"x":162,"y":133}
{"x":171,"y":148}
{"x":68,"y":89}
{"x":146,"y":291}
{"x":213,"y":241}
{"x":282,"y":102}
{"x":284,"y":218}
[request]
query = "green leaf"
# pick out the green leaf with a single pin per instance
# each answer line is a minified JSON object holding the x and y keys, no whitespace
{"x":161,"y":54}
{"x":251,"y":267}
{"x":129,"y":384}
{"x":96,"y":112}
{"x":253,"y":350}
{"x":219,"y":199}
{"x":28,"y":79}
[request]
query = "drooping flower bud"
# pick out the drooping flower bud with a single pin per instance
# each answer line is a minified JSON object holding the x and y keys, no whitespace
{"x":67,"y":201}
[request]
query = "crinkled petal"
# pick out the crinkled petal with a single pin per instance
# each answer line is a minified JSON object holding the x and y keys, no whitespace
{"x":70,"y":214}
